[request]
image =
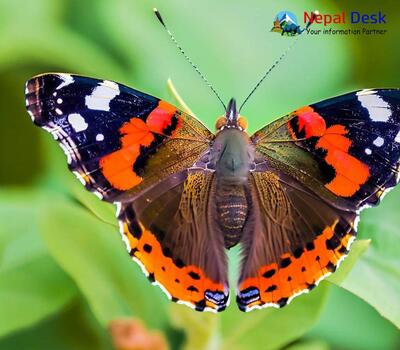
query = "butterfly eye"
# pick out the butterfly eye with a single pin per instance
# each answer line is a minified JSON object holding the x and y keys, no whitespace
{"x":221,"y":122}
{"x":242,"y":122}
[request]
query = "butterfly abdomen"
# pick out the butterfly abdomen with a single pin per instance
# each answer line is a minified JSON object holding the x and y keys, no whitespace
{"x":232,"y":209}
{"x":231,"y":157}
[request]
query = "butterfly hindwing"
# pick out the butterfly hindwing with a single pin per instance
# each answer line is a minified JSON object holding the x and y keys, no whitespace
{"x":118,"y":141}
{"x":173,"y":237}
{"x":292,"y":241}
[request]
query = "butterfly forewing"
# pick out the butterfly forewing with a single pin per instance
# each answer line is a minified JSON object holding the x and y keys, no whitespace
{"x":118,"y":141}
{"x":346,"y":148}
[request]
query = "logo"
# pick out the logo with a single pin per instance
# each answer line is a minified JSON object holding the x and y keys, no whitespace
{"x":285,"y":22}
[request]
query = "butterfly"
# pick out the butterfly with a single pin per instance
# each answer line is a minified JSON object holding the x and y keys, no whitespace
{"x":290,"y":195}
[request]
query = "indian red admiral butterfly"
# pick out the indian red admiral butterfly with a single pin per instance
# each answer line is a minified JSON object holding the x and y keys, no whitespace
{"x":291,"y":194}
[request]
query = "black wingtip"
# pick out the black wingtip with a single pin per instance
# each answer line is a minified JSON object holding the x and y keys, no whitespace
{"x":158,"y":14}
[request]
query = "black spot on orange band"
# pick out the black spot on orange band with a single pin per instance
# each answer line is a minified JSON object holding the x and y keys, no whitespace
{"x":166,"y":251}
{"x":310,"y":246}
{"x":282,"y":302}
{"x":147,"y":248}
{"x":192,"y":289}
{"x":194,"y":275}
{"x":269,"y":273}
{"x":333,"y":243}
{"x":331,"y":267}
{"x":311,"y":286}
{"x":285,"y":262}
{"x":133,"y":251}
{"x":271,"y":288}
{"x":179,"y":263}
{"x":298,"y":253}
{"x":151,"y":278}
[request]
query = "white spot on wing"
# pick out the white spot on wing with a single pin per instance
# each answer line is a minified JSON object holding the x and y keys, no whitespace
{"x":80,"y":178}
{"x":368,"y":151}
{"x":378,"y":109}
{"x":397,"y":138}
{"x":66,"y":80}
{"x":102,"y":95}
{"x":66,"y":149}
{"x":379,"y":141}
{"x":98,"y":195}
{"x":110,"y":84}
{"x":59,"y":111}
{"x":77,"y":122}
{"x":59,"y":101}
{"x":31,"y":115}
{"x":99,"y":137}
{"x":366,"y":92}
{"x":398,"y":175}
{"x":119,"y":206}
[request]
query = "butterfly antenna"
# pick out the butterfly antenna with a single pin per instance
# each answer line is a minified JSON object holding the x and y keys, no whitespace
{"x":161,"y":20}
{"x":278,"y":60}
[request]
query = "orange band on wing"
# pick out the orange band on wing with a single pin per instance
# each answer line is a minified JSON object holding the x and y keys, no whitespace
{"x":160,"y":118}
{"x":351,"y":173}
{"x":117,"y":167}
{"x":306,"y":123}
{"x":299,"y":272}
{"x":187,"y":283}
{"x":309,"y":120}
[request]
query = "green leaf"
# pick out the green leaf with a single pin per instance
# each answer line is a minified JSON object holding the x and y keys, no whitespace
{"x":348,"y":322}
{"x":42,"y":43}
{"x":76,"y":329}
{"x":106,"y":212}
{"x":272,"y":328}
{"x":95,"y":257}
{"x":358,"y":248}
{"x":25,"y":265}
{"x":376,"y":276}
{"x":201,"y":329}
{"x":309,"y":345}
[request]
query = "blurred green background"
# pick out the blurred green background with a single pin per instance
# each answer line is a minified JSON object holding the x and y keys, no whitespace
{"x":64,"y":272}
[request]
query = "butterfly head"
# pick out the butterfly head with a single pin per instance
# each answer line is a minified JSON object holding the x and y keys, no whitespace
{"x":231,"y":119}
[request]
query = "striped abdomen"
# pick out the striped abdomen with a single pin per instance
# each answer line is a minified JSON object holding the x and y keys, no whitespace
{"x":232,"y":208}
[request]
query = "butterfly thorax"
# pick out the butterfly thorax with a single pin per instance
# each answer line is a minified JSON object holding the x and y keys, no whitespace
{"x":231,"y":155}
